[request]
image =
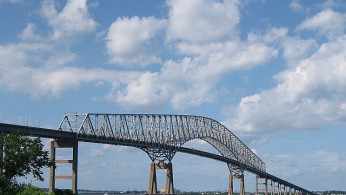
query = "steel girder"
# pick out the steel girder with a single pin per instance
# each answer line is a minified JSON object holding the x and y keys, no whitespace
{"x":161,"y":135}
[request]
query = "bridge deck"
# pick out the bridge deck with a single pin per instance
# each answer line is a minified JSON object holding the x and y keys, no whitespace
{"x":37,"y":131}
{"x":55,"y":134}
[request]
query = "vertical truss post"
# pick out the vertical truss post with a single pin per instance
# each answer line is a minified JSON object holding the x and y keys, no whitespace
{"x":169,"y":179}
{"x":152,"y":189}
{"x":64,"y":144}
{"x":159,"y":157}
{"x":257,"y":178}
{"x":230,"y":185}
{"x":276,"y":188}
{"x":74,"y":167}
{"x":280,"y":190}
{"x":261,"y":185}
{"x":52,"y":168}
{"x":242,"y":183}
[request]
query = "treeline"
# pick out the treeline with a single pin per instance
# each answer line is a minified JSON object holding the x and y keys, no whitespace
{"x":333,"y":192}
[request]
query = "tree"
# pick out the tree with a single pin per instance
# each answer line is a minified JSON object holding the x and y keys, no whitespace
{"x":23,"y":155}
{"x":9,"y":187}
{"x":62,"y":192}
{"x":32,"y":190}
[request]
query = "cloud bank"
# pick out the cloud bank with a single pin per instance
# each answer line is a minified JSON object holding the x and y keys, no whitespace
{"x":308,"y":94}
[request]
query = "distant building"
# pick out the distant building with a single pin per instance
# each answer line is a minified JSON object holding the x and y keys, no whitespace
{"x":162,"y":191}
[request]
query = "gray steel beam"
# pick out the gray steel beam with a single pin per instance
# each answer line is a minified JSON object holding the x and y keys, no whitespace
{"x":36,"y":131}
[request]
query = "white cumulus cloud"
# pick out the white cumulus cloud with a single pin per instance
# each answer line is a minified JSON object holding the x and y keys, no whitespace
{"x":207,"y":55}
{"x":328,"y":23}
{"x":33,"y":68}
{"x":72,"y":21}
{"x":29,"y":34}
{"x":146,"y":92}
{"x":293,"y":48}
{"x":307,"y":96}
{"x":203,"y":21}
{"x":128,"y":40}
{"x":42,"y":67}
{"x":296,"y":6}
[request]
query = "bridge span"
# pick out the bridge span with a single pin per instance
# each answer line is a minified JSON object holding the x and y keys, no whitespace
{"x":160,"y":136}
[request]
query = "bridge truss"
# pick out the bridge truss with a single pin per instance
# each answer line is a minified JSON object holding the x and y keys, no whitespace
{"x":161,"y":136}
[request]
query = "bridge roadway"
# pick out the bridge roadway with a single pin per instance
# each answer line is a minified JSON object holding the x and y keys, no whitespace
{"x":54,"y":134}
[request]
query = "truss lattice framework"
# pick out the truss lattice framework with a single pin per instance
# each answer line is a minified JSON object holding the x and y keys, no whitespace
{"x":162,"y":132}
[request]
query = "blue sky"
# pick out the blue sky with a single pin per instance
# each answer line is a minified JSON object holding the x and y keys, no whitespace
{"x":274,"y":72}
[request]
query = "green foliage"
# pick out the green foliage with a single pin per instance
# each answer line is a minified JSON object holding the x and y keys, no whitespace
{"x":62,"y":192}
{"x":24,"y":155}
{"x":9,"y":187}
{"x":32,"y":190}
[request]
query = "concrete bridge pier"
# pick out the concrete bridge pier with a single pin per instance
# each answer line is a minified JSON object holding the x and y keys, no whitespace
{"x":285,"y":190}
{"x":169,"y":179}
{"x":280,"y":188}
{"x":64,"y":144}
{"x":152,"y":189}
{"x":242,"y":184}
{"x":230,"y":185}
{"x":261,"y":185}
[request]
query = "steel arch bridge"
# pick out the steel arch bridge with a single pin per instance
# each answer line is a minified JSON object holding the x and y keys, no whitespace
{"x":161,"y":136}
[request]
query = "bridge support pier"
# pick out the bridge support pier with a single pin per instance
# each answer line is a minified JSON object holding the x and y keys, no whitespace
{"x":230,"y":186}
{"x":280,"y":189}
{"x":169,"y":179}
{"x":152,"y":180}
{"x":261,"y":185}
{"x":152,"y":189}
{"x":272,"y":187}
{"x":64,"y":144}
{"x":242,"y":184}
